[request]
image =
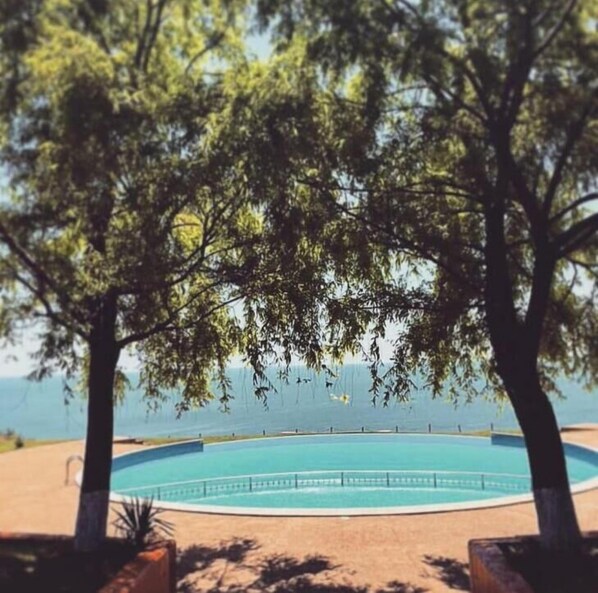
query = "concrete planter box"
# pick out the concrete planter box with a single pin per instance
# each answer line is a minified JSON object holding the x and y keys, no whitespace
{"x":152,"y":570}
{"x":489,"y":570}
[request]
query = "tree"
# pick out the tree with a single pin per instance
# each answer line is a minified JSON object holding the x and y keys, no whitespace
{"x":461,"y":150}
{"x":124,"y":223}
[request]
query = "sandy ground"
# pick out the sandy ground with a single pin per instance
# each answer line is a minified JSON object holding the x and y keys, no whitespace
{"x":224,"y":554}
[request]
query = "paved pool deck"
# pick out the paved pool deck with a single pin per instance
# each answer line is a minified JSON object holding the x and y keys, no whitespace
{"x":228,"y":554}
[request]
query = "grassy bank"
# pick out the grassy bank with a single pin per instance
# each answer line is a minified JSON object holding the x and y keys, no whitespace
{"x":153,"y":442}
{"x":14,"y":442}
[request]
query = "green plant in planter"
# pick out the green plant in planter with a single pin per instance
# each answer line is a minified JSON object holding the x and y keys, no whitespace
{"x":140,"y":524}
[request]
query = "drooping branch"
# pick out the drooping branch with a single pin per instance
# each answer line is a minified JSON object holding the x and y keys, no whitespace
{"x":169,"y":323}
{"x":48,"y":311}
{"x":193,"y":264}
{"x":37,"y":270}
{"x":391,"y":240}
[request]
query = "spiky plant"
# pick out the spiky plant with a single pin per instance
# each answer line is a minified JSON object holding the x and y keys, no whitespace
{"x":139,"y":522}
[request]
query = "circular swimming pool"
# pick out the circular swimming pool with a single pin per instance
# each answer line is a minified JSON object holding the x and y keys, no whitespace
{"x":357,"y":474}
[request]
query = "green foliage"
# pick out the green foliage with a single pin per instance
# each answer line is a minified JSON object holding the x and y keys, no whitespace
{"x":139,"y":522}
{"x":154,"y":173}
{"x":440,"y":117}
{"x":120,"y":190}
{"x":12,"y":438}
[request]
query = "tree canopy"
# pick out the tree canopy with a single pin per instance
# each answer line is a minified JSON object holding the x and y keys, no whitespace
{"x":430,"y":105}
{"x":123,"y":186}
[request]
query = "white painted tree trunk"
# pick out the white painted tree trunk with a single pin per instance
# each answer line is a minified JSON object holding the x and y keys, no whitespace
{"x":557,"y":521}
{"x":92,"y":520}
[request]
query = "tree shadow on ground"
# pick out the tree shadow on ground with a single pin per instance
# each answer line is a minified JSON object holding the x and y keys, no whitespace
{"x":277,"y":568}
{"x":198,"y":558}
{"x":398,"y":587}
{"x":227,"y":568}
{"x":450,"y":571}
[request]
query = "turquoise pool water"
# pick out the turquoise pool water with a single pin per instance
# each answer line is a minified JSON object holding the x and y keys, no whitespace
{"x":336,"y":472}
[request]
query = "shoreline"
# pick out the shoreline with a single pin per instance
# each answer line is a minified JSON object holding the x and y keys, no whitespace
{"x":8,"y":443}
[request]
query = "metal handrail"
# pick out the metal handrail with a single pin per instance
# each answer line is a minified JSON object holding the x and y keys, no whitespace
{"x":327,"y":471}
{"x":205,"y":488}
{"x":68,"y":466}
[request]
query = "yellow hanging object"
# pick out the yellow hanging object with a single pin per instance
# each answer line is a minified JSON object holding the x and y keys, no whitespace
{"x":343,"y":399}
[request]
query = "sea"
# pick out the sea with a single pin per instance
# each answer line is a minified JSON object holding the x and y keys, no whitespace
{"x":306,"y":403}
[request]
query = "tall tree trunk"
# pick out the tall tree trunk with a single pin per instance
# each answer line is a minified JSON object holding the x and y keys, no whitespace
{"x":557,"y":521}
{"x":515,"y":344}
{"x":92,"y":515}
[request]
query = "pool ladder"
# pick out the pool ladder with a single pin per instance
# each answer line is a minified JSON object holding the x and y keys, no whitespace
{"x":68,"y":466}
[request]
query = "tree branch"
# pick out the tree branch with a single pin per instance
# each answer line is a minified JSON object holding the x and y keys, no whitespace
{"x":517,"y":76}
{"x":149,"y":9}
{"x":439,"y":90}
{"x":556,"y":29}
{"x":573,"y":135}
{"x":49,"y":313}
{"x":211,"y":44}
{"x":37,"y":270}
{"x":438,"y":190}
{"x":576,"y":236}
{"x":166,"y":325}
{"x":399,"y":243}
{"x":575,"y":204}
{"x":460,"y":65}
{"x":153,"y":34}
{"x":525,"y":195}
